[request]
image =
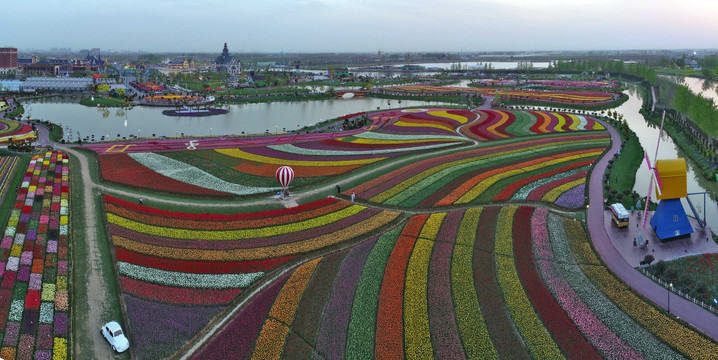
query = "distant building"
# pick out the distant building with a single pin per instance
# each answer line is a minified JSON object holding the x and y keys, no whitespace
{"x":178,"y":64}
{"x":8,"y":59}
{"x":339,"y":72}
{"x":227,"y":63}
{"x":22,"y":62}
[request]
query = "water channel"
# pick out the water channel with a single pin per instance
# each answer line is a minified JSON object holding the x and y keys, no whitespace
{"x":648,"y":136}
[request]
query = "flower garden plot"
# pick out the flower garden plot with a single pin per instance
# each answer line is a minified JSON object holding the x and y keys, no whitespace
{"x":15,"y":131}
{"x":122,"y":169}
{"x":197,"y":264}
{"x":422,"y":121}
{"x":494,"y":124}
{"x":34,"y":302}
{"x":494,"y":282}
{"x":562,"y":97}
{"x":485,"y":175}
{"x":8,"y":164}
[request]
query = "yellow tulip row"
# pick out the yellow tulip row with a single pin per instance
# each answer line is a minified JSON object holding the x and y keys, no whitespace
{"x":299,"y":247}
{"x":270,"y":343}
{"x":469,"y":319}
{"x":417,"y":337}
{"x":234,"y":234}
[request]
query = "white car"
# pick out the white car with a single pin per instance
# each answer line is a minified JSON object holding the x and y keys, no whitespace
{"x":112,"y":331}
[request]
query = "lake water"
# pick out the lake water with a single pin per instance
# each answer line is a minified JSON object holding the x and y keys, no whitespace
{"x":648,"y":135}
{"x":241,"y":119}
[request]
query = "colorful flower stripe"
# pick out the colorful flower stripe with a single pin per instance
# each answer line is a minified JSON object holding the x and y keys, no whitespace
{"x":554,"y":193}
{"x":307,"y":318}
{"x":34,"y":308}
{"x":493,"y":124}
{"x":386,"y":186}
{"x":417,"y":337}
{"x":542,"y":190}
{"x":682,"y":338}
{"x":178,"y":295}
{"x":185,"y":233}
{"x":583,"y":97}
{"x":443,"y":327}
{"x":268,"y":170}
{"x":237,"y":153}
{"x":332,"y":335}
{"x":8,"y":165}
{"x":271,"y":339}
{"x":200,"y":267}
{"x":470,"y":322}
{"x":605,"y":340}
{"x":389,"y":320}
{"x":478,"y":184}
{"x":296,"y":158}
{"x":213,"y":218}
{"x":352,"y":231}
{"x":535,"y":335}
{"x":364,"y":313}
{"x":185,"y":173}
{"x":571,"y":341}
{"x":189,"y":280}
{"x":122,"y":169}
{"x":297,"y":149}
{"x":618,"y":321}
{"x":237,"y":338}
{"x":18,"y":133}
{"x":243,"y":243}
{"x":372,"y":137}
{"x":512,"y":188}
{"x":227,"y":224}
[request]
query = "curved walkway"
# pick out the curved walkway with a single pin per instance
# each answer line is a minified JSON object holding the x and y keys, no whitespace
{"x":689,"y":312}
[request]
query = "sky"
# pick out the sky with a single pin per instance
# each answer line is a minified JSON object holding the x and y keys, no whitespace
{"x":359,"y":25}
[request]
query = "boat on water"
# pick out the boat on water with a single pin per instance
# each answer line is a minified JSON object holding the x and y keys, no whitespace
{"x":188,"y":111}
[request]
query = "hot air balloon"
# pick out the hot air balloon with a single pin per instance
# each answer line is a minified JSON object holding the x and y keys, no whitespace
{"x":284,"y":175}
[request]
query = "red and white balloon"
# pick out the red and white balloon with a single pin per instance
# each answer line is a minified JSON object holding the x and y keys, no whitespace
{"x":284,"y":175}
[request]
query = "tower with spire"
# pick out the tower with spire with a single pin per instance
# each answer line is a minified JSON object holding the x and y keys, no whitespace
{"x":227,"y":63}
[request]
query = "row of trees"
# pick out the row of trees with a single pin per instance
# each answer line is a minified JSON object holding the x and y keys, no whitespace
{"x":702,"y":111}
{"x":611,"y":66}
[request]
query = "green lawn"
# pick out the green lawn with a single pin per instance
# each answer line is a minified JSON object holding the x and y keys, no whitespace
{"x":622,"y":171}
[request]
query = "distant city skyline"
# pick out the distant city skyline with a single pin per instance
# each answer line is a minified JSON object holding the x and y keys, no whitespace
{"x":360,"y":25}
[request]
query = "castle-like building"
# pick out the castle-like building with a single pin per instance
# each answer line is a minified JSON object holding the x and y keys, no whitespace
{"x":227,"y":63}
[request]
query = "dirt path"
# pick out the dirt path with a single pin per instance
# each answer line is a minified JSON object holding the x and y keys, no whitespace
{"x":90,"y":284}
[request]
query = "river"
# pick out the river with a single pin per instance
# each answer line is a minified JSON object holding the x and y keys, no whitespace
{"x":80,"y":121}
{"x":648,"y":135}
{"x":708,"y":89}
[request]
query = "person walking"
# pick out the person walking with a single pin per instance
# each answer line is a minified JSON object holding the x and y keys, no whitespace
{"x":353,"y":196}
{"x":339,"y":189}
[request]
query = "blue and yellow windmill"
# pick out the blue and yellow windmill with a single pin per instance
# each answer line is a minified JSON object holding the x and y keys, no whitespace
{"x":670,"y":220}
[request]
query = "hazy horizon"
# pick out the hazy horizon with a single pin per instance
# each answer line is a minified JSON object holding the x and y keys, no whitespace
{"x":363,"y":26}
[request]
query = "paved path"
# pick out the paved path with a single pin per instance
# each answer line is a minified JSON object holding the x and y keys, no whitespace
{"x":693,"y":314}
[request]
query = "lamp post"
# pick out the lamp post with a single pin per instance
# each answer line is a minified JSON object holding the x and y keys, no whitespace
{"x":670,"y":288}
{"x":210,"y":131}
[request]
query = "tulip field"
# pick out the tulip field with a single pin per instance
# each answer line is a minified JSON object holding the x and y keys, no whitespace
{"x":179,"y":270}
{"x":248,"y":170}
{"x":15,"y":131}
{"x":488,"y":282}
{"x":34,"y":301}
{"x":495,"y":124}
{"x":466,"y":240}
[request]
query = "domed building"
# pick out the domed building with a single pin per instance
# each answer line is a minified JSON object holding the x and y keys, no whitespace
{"x":227,"y":63}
